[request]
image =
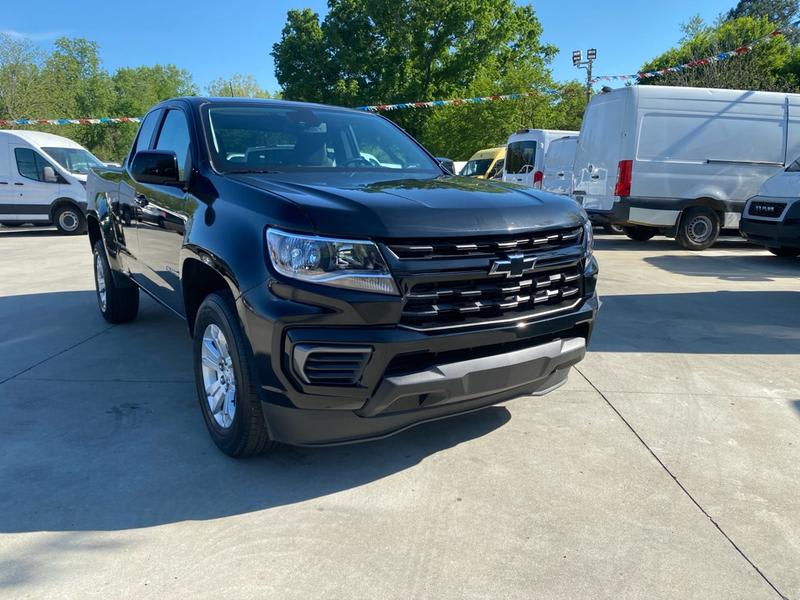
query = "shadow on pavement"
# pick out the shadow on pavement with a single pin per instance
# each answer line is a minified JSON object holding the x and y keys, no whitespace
{"x":107,"y":434}
{"x":23,"y":231}
{"x":700,"y":323}
{"x":747,"y":267}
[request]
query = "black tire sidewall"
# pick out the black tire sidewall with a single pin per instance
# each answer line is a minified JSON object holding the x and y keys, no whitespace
{"x":217,"y":310}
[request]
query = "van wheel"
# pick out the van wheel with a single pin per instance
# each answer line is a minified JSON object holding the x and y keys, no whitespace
{"x":639,"y":233}
{"x":69,"y":220}
{"x":226,"y":385}
{"x":699,"y":228}
{"x":785,"y":251}
{"x":613,"y":229}
{"x":117,"y":304}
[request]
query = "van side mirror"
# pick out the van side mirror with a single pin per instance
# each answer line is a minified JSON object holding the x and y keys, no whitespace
{"x":156,"y":166}
{"x":49,"y":174}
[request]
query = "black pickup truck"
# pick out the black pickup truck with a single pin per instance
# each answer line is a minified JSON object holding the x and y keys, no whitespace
{"x":338,"y":283}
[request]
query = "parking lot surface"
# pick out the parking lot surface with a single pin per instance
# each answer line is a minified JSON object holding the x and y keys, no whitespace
{"x":667,"y":467}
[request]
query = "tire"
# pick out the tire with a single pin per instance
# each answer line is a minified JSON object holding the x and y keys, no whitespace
{"x":117,"y":304}
{"x":613,"y":229}
{"x":69,"y":220}
{"x":639,"y":233}
{"x":220,"y":351}
{"x":699,"y":228}
{"x":785,"y":251}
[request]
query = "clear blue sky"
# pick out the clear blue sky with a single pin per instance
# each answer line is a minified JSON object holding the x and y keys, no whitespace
{"x":218,"y":39}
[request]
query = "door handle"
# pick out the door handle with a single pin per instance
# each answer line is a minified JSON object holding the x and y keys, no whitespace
{"x":561,"y":174}
{"x":18,"y":183}
{"x":141,"y":200}
{"x":595,"y":176}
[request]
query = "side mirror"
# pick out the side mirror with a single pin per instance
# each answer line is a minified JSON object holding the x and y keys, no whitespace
{"x":447,"y":164}
{"x":156,"y":166}
{"x":49,"y":174}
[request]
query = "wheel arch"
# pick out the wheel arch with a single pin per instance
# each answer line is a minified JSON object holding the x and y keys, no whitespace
{"x":202,"y":275}
{"x":64,"y":201}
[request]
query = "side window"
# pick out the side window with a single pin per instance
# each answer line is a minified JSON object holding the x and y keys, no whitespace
{"x":30,"y":164}
{"x":174,"y":136}
{"x":794,"y":167}
{"x":146,"y":132}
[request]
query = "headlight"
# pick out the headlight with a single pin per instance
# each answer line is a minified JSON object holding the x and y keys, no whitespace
{"x":351,"y":264}
{"x":588,"y":236}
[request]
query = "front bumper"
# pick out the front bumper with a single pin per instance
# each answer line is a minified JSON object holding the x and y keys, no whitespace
{"x":411,"y":376}
{"x":771,"y":234}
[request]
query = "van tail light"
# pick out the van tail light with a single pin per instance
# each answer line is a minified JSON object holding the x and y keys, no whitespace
{"x":624,"y":174}
{"x":537,"y":180}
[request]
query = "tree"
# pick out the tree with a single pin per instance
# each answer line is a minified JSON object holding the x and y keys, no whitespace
{"x":372,"y":52}
{"x":21,"y":95}
{"x":779,"y":12}
{"x":767,"y":67}
{"x":238,"y":86}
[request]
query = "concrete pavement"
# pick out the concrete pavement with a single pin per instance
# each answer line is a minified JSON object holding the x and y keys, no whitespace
{"x":666,"y":468}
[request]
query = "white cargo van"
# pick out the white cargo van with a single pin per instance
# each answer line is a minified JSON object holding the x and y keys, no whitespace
{"x":558,"y":162}
{"x":42,"y":180}
{"x":681,"y":161}
{"x":525,"y":154}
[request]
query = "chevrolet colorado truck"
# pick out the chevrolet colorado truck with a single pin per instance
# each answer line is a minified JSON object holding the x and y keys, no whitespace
{"x":339,"y":285}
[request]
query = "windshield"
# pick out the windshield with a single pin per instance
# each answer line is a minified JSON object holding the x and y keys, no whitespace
{"x":281,"y":139}
{"x":74,"y":160}
{"x":476,"y":167}
{"x":520,"y":156}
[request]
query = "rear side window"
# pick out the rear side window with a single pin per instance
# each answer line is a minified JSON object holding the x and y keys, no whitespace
{"x":146,"y":132}
{"x":30,"y":164}
{"x":520,"y":156}
{"x":174,"y":136}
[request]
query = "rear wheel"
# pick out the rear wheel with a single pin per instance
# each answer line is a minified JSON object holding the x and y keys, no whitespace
{"x":69,"y":220}
{"x":226,"y":385}
{"x":699,"y":228}
{"x":785,"y":251}
{"x":117,"y":304}
{"x":613,"y":229}
{"x":639,"y":233}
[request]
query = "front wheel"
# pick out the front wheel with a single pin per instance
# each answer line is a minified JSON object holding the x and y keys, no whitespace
{"x":699,"y":228}
{"x":69,"y":220}
{"x":639,"y":233}
{"x":785,"y":251}
{"x":117,"y":304}
{"x":226,"y":385}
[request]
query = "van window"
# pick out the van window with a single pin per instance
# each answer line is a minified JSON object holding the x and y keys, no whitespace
{"x":475,"y":167}
{"x":520,"y":155}
{"x":496,"y":169}
{"x":174,"y":136}
{"x":794,"y":167}
{"x":30,"y":164}
{"x":697,"y":138}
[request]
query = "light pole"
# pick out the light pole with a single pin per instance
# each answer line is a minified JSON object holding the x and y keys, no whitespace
{"x":577,"y":61}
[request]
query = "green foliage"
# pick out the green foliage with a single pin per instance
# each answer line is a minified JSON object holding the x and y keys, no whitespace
{"x":70,"y":82}
{"x":779,"y":12}
{"x":769,"y":66}
{"x":238,"y":86}
{"x":373,"y":52}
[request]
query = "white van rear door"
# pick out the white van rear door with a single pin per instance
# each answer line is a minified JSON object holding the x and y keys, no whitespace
{"x":600,"y":150}
{"x":558,"y":165}
{"x":520,"y":163}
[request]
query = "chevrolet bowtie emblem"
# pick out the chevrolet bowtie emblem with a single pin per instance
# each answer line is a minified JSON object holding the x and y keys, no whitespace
{"x":515,"y":265}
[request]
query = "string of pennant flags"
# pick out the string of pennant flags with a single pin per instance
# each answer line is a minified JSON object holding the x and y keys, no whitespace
{"x":722,"y":56}
{"x":701,"y":62}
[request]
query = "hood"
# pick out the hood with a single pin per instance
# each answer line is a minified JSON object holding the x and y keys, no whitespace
{"x":781,"y":185}
{"x":381,"y":205}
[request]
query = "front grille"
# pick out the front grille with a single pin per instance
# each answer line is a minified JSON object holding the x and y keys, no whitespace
{"x":330,"y":365}
{"x":766,"y":209}
{"x":486,"y":246}
{"x":465,"y":302}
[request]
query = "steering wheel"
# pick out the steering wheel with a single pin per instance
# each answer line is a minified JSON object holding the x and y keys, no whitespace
{"x":357,"y":160}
